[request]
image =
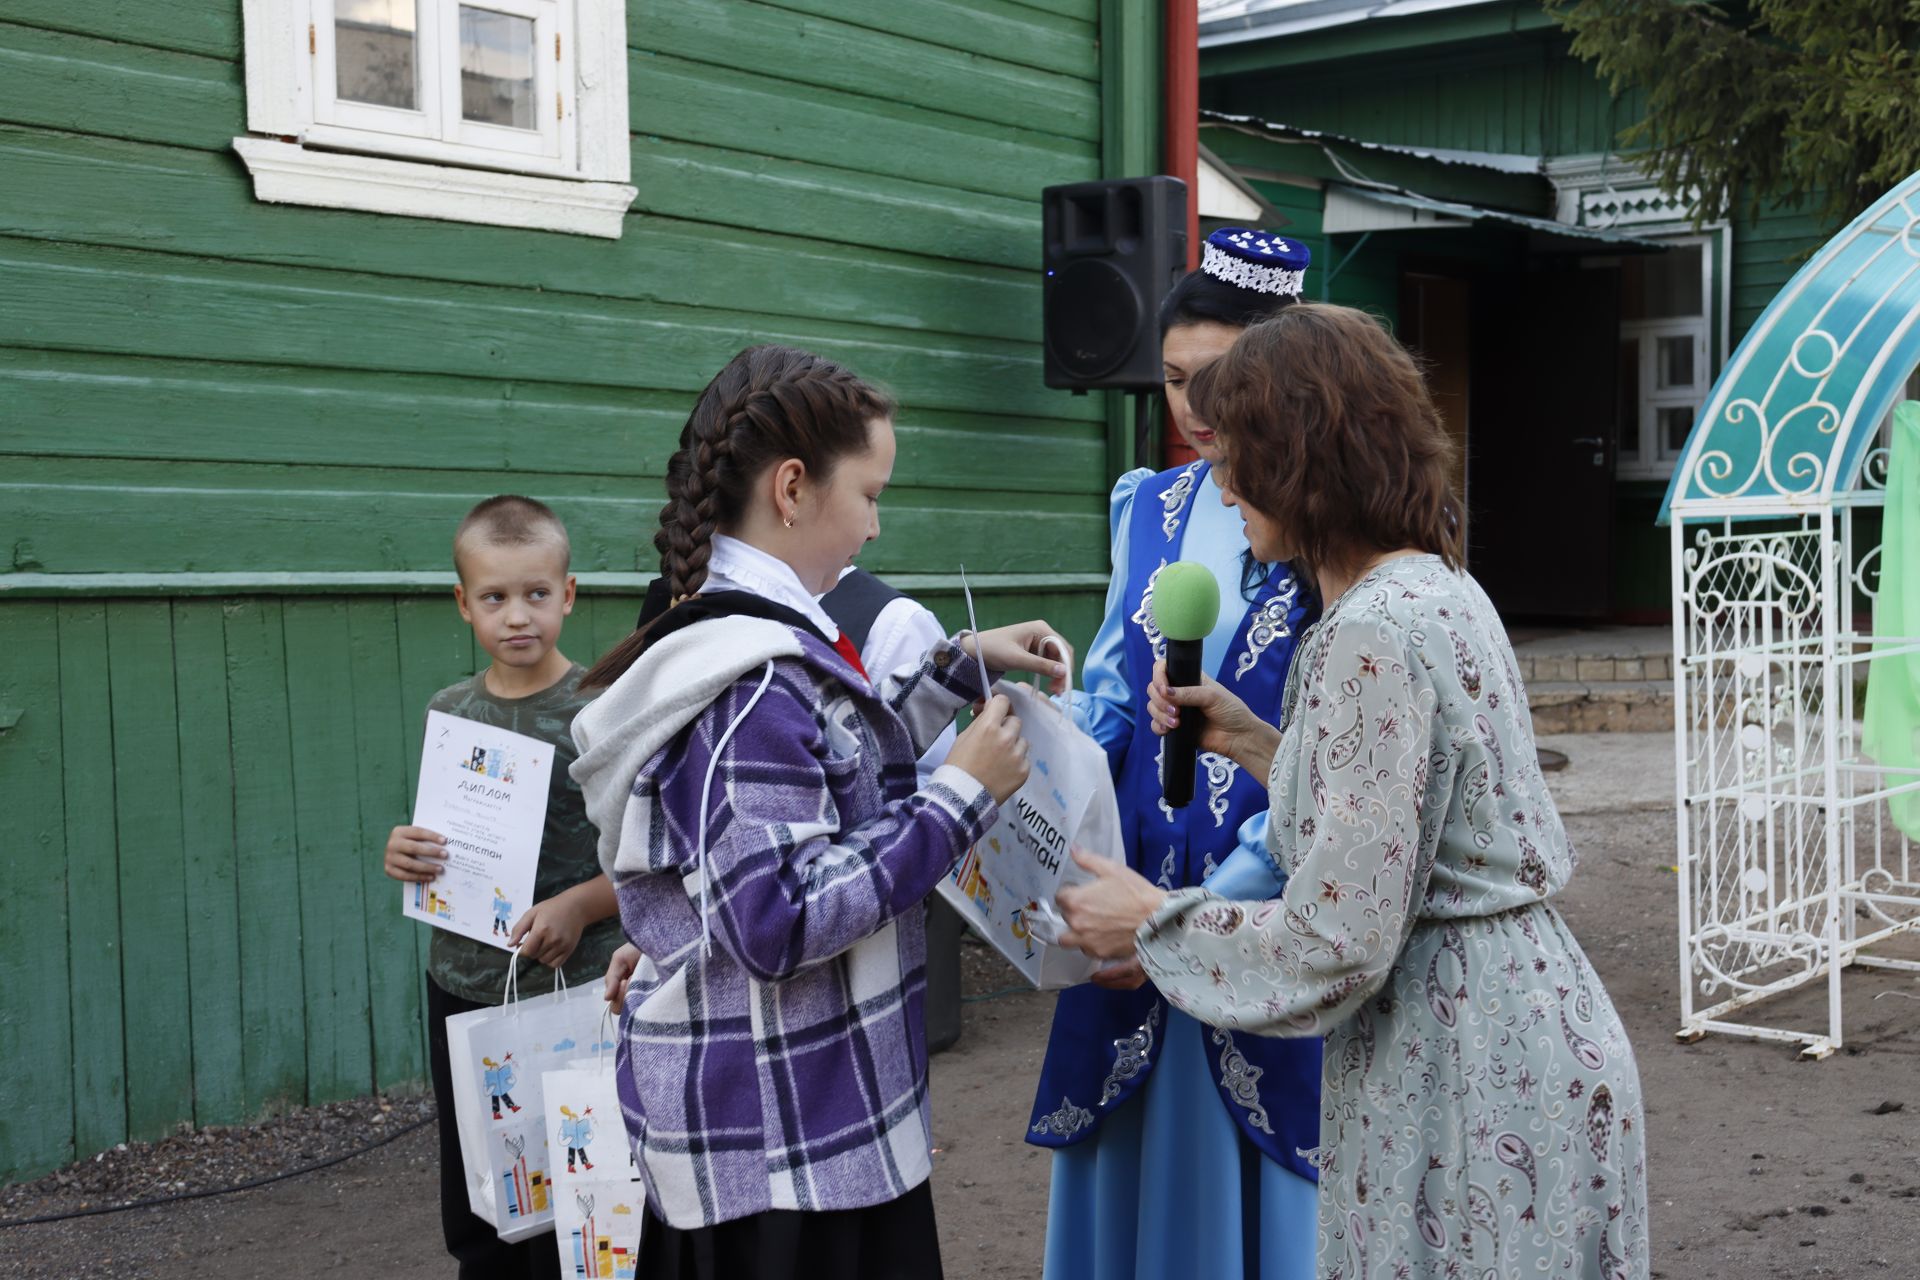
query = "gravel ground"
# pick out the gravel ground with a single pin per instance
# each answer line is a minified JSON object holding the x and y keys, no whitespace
{"x":1761,"y":1165}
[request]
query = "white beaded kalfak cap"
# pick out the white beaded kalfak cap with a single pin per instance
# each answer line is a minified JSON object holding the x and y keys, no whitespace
{"x":1256,"y":260}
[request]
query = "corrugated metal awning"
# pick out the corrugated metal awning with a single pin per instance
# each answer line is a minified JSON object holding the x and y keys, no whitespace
{"x":1352,"y":208}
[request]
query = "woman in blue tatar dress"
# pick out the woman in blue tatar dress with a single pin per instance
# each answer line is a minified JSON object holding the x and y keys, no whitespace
{"x":1177,"y":1146}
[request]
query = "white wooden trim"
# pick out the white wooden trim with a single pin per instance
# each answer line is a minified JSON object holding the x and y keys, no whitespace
{"x":581,"y":190}
{"x":287,"y":173}
{"x":599,"y":58}
{"x":275,"y":33}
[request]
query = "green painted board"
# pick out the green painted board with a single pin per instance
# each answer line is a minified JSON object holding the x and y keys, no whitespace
{"x":765,"y":116}
{"x":155,"y":304}
{"x":212,"y":872}
{"x":209,"y":27}
{"x":436,"y":650}
{"x":36,"y":1124}
{"x":401,"y":523}
{"x":80,"y":84}
{"x":93,"y":878}
{"x":835,"y":204}
{"x":109,"y":191}
{"x":327,"y":835}
{"x":274,"y":1021}
{"x":1055,"y":37}
{"x":379,"y":716}
{"x":153,"y":909}
{"x":507,"y":435}
{"x":980,"y":81}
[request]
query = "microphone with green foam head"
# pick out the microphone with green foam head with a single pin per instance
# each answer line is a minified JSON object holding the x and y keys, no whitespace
{"x":1186,"y":605}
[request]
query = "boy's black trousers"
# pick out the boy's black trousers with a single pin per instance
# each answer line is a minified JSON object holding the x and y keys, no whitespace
{"x":480,"y":1251}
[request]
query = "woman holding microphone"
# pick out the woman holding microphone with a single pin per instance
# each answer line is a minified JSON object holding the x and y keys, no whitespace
{"x":1176,"y":1147}
{"x":1480,"y":1103}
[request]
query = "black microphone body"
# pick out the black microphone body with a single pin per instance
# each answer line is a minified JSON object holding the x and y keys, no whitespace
{"x":1182,"y":758}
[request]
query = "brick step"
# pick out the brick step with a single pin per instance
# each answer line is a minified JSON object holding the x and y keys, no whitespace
{"x":1599,"y":667}
{"x":1604,"y":706}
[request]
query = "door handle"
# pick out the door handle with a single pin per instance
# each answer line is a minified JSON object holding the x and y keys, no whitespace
{"x":1591,"y":442}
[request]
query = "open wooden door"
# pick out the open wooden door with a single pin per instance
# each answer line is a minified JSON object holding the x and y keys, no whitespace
{"x":1540,"y":462}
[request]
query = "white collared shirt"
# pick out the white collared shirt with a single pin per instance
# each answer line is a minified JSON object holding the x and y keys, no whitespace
{"x":741,"y":566}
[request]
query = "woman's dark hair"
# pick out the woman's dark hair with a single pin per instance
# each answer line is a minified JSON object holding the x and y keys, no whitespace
{"x":1329,"y":432}
{"x":769,"y":404}
{"x":1198,"y":298}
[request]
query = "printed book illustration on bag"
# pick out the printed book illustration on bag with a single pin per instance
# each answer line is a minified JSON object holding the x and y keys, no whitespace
{"x":1004,"y":886}
{"x":599,"y":1197}
{"x":521,"y":1156}
{"x":604,"y":1246}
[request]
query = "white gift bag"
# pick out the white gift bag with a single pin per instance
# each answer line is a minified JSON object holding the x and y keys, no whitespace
{"x":497,"y":1057}
{"x":599,"y":1199}
{"x":1005,"y":885}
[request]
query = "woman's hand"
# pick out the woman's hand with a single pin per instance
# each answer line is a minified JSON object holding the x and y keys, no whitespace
{"x":1026,"y":646}
{"x":992,"y":749}
{"x":1121,"y":975}
{"x":1229,"y":727}
{"x":620,"y":972}
{"x":1102,"y":916}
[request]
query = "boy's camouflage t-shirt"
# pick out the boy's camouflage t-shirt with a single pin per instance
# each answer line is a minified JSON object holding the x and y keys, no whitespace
{"x":474,"y":970}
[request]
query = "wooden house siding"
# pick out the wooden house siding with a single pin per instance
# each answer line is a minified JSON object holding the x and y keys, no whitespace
{"x":235,"y":438}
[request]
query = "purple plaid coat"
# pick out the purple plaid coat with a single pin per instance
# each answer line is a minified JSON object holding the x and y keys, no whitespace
{"x":785,"y":1067}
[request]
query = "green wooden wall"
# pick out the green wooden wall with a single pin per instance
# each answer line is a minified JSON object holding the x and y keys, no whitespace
{"x":234,"y":440}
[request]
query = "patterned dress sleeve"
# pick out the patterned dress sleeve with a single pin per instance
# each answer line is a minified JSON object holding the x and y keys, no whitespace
{"x":1349,"y":789}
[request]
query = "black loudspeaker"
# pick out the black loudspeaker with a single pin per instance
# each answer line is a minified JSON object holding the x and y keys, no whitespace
{"x":1112,"y":250}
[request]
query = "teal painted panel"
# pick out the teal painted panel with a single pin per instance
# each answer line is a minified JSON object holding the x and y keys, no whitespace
{"x":153,"y":907}
{"x":36,"y":1124}
{"x":274,"y":1028}
{"x":94,"y":973}
{"x":212,"y":871}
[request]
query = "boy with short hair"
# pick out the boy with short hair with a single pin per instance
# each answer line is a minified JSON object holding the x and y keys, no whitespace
{"x":515,"y":591}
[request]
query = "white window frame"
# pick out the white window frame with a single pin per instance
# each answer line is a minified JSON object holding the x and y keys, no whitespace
{"x":1656,"y":458}
{"x":308,"y":147}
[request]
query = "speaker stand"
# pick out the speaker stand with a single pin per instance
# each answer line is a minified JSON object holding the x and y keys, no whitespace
{"x":1143,"y":429}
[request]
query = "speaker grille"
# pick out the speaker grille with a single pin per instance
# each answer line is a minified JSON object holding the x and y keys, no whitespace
{"x":1097,"y":315}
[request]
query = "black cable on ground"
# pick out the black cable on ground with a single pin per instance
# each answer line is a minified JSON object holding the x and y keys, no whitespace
{"x":315,"y":1167}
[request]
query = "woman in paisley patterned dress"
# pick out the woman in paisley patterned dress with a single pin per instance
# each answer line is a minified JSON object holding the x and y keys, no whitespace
{"x":1481,"y":1111}
{"x":1176,"y":1146}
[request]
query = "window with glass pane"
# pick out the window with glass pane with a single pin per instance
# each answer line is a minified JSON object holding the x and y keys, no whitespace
{"x":1673,"y":362}
{"x":1627,"y":434}
{"x":1675,"y":421}
{"x":1662,"y":286}
{"x":496,"y":68}
{"x":375,"y":53}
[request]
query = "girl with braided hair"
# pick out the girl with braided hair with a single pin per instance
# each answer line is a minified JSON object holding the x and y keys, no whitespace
{"x":770,"y":844}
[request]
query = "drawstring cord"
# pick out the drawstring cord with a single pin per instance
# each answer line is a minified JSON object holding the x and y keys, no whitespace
{"x":706,"y":790}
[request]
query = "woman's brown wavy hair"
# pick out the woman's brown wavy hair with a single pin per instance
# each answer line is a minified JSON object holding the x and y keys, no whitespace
{"x":1329,"y":432}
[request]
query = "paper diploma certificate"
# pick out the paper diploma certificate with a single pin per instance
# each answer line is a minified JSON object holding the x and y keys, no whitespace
{"x":485,"y":790}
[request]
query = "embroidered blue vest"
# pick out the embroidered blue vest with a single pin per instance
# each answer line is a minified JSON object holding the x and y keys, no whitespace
{"x":1104,"y":1043}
